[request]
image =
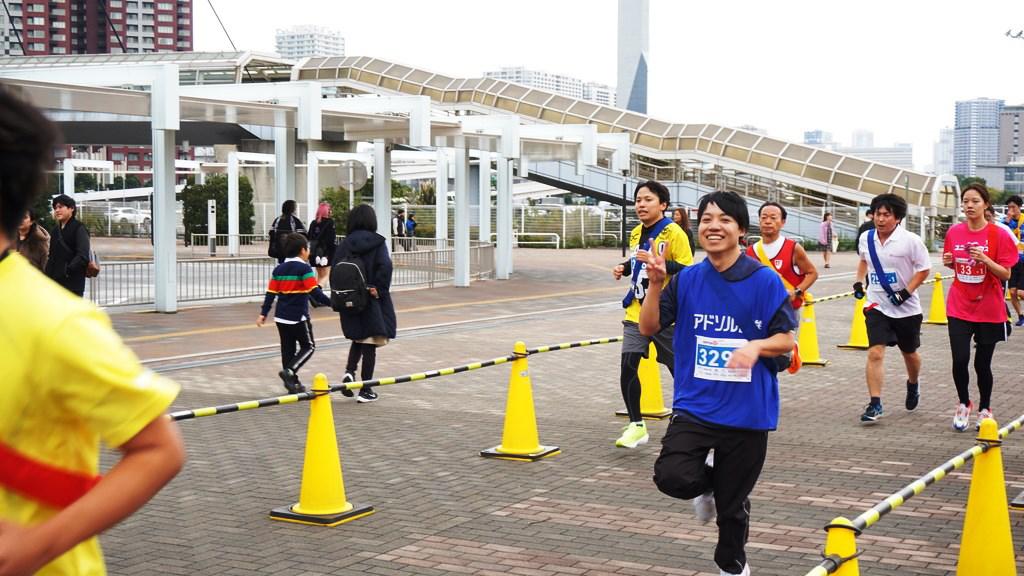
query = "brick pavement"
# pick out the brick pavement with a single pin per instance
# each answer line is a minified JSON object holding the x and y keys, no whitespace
{"x":592,"y":510}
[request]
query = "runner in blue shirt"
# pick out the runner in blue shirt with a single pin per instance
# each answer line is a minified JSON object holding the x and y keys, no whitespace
{"x":726,"y":396}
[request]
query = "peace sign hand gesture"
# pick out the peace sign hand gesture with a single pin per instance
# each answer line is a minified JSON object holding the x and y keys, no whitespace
{"x":656,"y":270}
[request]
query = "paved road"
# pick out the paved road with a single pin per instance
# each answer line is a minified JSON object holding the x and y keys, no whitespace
{"x":592,"y":510}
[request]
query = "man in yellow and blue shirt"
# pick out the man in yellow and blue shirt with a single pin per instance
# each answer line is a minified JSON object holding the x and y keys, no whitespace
{"x":654,"y":235}
{"x":69,"y":383}
{"x":1015,"y":222}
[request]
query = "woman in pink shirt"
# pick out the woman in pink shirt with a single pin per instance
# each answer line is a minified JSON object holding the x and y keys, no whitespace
{"x":981,"y":256}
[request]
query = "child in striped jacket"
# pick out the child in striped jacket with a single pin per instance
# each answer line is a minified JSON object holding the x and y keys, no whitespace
{"x":293,"y":284}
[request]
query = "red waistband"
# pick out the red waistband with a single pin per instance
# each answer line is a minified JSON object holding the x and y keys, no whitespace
{"x":42,"y":482}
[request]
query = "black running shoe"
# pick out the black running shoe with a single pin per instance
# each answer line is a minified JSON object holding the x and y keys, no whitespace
{"x":913,"y":396}
{"x":367,"y":395}
{"x":348,"y":379}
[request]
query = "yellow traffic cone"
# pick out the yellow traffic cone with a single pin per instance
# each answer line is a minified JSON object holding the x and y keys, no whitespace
{"x":986,"y":544}
{"x":841,"y":541}
{"x":322,"y":496}
{"x":652,"y":400}
{"x":519,"y":439}
{"x":937,"y":312}
{"x":808,"y":337}
{"x":858,"y":328}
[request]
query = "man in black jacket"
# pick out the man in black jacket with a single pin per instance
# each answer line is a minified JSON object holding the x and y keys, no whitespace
{"x":69,"y":247}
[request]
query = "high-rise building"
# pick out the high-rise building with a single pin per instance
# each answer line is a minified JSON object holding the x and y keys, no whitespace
{"x":634,"y":44}
{"x":819,"y":139}
{"x":302,"y":41}
{"x":557,"y":83}
{"x":976,"y":134}
{"x":943,"y":151}
{"x":899,"y":155}
{"x":1010,"y":134}
{"x":38,"y":28}
{"x":862,"y":139}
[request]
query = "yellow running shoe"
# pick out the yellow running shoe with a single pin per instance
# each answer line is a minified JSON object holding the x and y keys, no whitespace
{"x":633,"y":435}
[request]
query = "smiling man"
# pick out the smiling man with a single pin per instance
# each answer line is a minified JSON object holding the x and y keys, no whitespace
{"x":654,"y":235}
{"x":732,"y":317}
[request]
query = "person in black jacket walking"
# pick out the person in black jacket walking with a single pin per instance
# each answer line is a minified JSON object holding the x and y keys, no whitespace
{"x":281,"y":227}
{"x":322,"y":241}
{"x":69,"y":247}
{"x":376,"y":324}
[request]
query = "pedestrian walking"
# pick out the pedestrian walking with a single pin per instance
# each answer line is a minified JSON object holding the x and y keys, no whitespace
{"x":981,"y":256}
{"x":733,"y":316}
{"x":323,"y":241}
{"x":285,"y":224}
{"x":410,"y":231}
{"x":898,"y":263}
{"x":398,"y":230}
{"x":654,"y":235}
{"x":69,"y":382}
{"x":375,"y":325}
{"x":69,"y":247}
{"x":682,"y":220}
{"x":293,"y":284}
{"x":33,"y":241}
{"x":827,"y":238}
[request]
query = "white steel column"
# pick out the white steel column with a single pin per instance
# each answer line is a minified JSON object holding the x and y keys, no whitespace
{"x":503,"y":247}
{"x":461,"y":217}
{"x":382,"y":189}
{"x":485,"y":197}
{"x":164,"y":217}
{"x":233,"y":204}
{"x":441,"y":200}
{"x":284,"y":168}
{"x":312,"y":185}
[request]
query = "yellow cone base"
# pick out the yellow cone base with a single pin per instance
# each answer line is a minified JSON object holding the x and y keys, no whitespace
{"x":852,"y":347}
{"x":1018,"y":502}
{"x":819,"y":362}
{"x":288,"y":515}
{"x":542,"y":452}
{"x":659,"y":415}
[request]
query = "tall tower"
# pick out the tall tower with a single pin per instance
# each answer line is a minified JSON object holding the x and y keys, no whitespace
{"x":634,"y":35}
{"x":976,"y":134}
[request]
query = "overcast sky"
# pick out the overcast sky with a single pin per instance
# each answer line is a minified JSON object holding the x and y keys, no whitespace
{"x":894,"y":67}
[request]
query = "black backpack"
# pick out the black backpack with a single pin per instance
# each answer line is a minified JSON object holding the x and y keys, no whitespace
{"x":348,"y":285}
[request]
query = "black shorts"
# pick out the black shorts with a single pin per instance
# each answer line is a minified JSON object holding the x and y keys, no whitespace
{"x":902,"y":332}
{"x":1017,"y":276}
{"x":983,"y":332}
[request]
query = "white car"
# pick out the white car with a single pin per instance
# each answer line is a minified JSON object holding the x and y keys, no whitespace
{"x":127,"y":215}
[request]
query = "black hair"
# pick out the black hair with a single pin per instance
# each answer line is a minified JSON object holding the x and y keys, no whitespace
{"x":731,"y":203}
{"x":825,"y":216}
{"x":27,"y":139}
{"x":659,"y":189}
{"x":870,"y":212}
{"x":362,"y":217}
{"x":982,"y":191}
{"x":293,"y":244}
{"x":288,"y":207}
{"x":1015,"y":199}
{"x":892,"y":202}
{"x":776,"y":204}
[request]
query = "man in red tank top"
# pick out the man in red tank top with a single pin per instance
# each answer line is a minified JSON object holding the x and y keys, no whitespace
{"x":784,"y":255}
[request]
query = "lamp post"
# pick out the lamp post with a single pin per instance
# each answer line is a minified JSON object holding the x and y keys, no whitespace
{"x":625,"y":241}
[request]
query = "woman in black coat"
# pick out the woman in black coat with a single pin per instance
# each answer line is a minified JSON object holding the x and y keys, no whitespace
{"x":376,"y":324}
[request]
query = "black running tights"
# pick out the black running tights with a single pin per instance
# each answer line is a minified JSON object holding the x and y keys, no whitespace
{"x":961,"y":345}
{"x":368,"y":352}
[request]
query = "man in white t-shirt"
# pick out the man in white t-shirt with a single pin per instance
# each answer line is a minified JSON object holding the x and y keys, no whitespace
{"x":892,"y":309}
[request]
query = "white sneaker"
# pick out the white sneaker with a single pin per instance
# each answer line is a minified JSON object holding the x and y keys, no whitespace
{"x":746,"y":572}
{"x":962,"y":416}
{"x":704,"y":507}
{"x":982,"y":414}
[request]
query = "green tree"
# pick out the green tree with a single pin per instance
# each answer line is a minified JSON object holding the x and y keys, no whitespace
{"x":127,"y":182}
{"x":84,"y":181}
{"x":194,"y":197}
{"x":338,"y":199}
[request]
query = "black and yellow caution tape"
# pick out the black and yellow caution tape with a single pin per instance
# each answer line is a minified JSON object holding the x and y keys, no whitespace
{"x":293,"y":398}
{"x":897,"y":499}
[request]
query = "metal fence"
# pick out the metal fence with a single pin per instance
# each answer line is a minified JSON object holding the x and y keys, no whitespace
{"x":131,"y":283}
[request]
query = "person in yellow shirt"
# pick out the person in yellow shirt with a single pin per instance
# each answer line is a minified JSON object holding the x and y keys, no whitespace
{"x":69,"y":382}
{"x":654,"y":235}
